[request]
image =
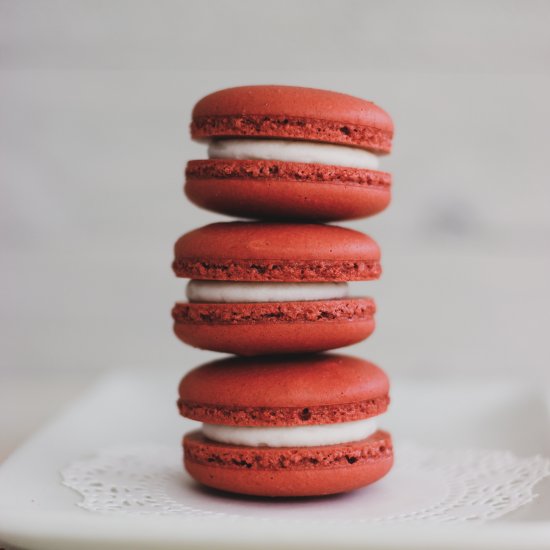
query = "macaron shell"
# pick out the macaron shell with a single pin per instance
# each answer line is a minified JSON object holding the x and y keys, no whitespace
{"x":249,"y":340}
{"x":294,"y":113}
{"x":290,"y":471}
{"x":274,"y":327}
{"x":283,"y":190}
{"x":284,"y":391}
{"x":270,"y":240}
{"x":283,"y":416}
{"x":276,"y":270}
{"x":273,"y":313}
{"x":264,"y":251}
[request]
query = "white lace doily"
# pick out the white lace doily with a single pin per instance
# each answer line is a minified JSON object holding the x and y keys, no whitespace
{"x":424,"y":485}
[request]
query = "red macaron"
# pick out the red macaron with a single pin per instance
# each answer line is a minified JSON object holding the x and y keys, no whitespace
{"x":293,"y":426}
{"x":262,"y":288}
{"x":317,"y":183}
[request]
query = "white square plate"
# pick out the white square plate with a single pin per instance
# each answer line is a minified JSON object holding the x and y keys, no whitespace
{"x":137,"y":407}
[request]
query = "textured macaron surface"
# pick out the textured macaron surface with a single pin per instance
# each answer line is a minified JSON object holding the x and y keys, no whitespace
{"x":262,"y":251}
{"x":273,"y":170}
{"x":310,"y":311}
{"x":293,"y":112}
{"x":199,"y":449}
{"x":294,"y":390}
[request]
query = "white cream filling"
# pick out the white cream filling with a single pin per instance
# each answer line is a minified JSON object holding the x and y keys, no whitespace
{"x":291,"y":436}
{"x":224,"y":291}
{"x":292,"y":151}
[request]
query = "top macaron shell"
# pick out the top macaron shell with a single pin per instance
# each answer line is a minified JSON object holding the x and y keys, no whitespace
{"x":262,"y":251}
{"x":299,"y":390}
{"x":292,"y":112}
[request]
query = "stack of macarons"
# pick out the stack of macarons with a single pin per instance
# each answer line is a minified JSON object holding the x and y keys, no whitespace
{"x":281,"y":418}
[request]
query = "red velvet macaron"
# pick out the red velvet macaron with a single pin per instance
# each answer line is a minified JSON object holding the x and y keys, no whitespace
{"x":262,"y":254}
{"x":320,"y":190}
{"x":304,"y":400}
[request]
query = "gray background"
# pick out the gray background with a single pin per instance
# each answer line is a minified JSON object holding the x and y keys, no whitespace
{"x":95,"y":103}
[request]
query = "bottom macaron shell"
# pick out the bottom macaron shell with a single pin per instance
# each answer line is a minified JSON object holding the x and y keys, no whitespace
{"x":259,"y":339}
{"x":287,"y":199}
{"x":289,"y":471}
{"x":273,"y":328}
